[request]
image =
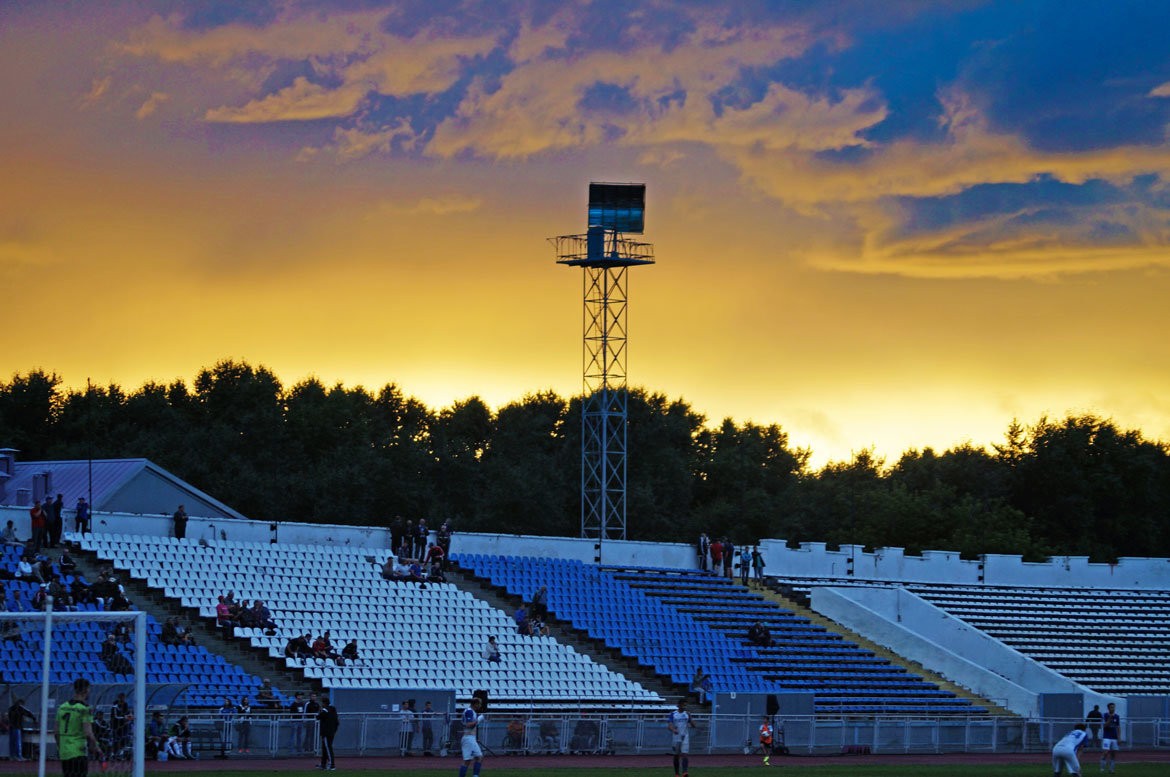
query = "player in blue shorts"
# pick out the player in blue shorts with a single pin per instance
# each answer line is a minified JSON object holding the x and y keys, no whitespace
{"x":471,"y":719}
{"x":1110,"y":737}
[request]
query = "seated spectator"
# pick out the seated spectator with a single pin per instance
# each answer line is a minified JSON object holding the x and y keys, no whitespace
{"x":435,"y":555}
{"x":66,"y":563}
{"x":179,"y":742}
{"x":263,"y":616}
{"x":491,"y":651}
{"x":699,"y":683}
{"x":170,"y":632}
{"x":115,"y":661}
{"x":8,"y":536}
{"x":298,"y":647}
{"x":43,"y":569}
{"x":245,"y":615}
{"x":514,"y":737}
{"x":388,"y":569}
{"x":101,"y":730}
{"x":323,"y":647}
{"x":223,"y":614}
{"x":758,"y":634}
{"x":61,"y":598}
{"x":537,"y":627}
{"x":156,"y":736}
{"x":415,"y":572}
{"x":24,"y":569}
{"x":40,"y":597}
{"x":123,"y":632}
{"x":266,"y":697}
{"x":119,"y":602}
{"x":80,"y":592}
{"x":435,"y":574}
{"x":184,"y":631}
{"x":350,"y":651}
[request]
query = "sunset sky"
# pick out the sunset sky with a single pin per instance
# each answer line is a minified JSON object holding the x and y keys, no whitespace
{"x":878,"y":224}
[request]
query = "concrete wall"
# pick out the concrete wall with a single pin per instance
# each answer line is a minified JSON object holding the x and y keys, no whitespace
{"x":912,"y":627}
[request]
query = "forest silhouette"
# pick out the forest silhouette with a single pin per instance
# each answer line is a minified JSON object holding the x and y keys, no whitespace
{"x":310,"y":452}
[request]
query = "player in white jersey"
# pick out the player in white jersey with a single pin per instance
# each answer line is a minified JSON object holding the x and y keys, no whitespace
{"x":680,"y":724}
{"x":471,"y":718}
{"x":1064,"y":753}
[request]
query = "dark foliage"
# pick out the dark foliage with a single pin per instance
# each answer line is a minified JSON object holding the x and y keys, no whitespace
{"x":1075,"y":486}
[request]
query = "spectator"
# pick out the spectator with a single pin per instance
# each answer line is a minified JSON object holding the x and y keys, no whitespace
{"x":397,"y":534}
{"x":759,"y":635}
{"x":119,"y":602}
{"x":223,"y":614}
{"x":350,"y":651}
{"x":8,"y":536}
{"x":262,"y":617}
{"x":298,"y":647}
{"x":17,"y":714}
{"x":521,"y":618}
{"x":180,"y":523}
{"x":704,"y":547}
{"x":170,"y":632}
{"x":329,"y":723}
{"x":80,"y":592}
{"x":745,"y":564}
{"x":514,"y":737}
{"x":491,"y":651}
{"x":81,"y":519}
{"x":728,"y":557}
{"x":115,"y":661}
{"x":66,"y":563}
{"x":443,"y":538}
{"x":61,"y":598}
{"x":698,"y":683}
{"x":179,"y":741}
{"x":758,"y":565}
{"x":422,"y":536}
{"x":388,"y":572}
{"x":537,"y":627}
{"x":156,"y":736}
{"x":120,"y":719}
{"x":1093,"y":719}
{"x":427,"y":726}
{"x":36,"y":515}
{"x":24,"y":569}
{"x":53,"y":523}
{"x":716,"y":556}
{"x":244,"y":726}
{"x":266,"y":697}
{"x":540,"y":603}
{"x":323,"y":647}
{"x":101,"y":730}
{"x":435,"y":555}
{"x":435,"y":574}
{"x":408,"y":728}
{"x":296,"y":709}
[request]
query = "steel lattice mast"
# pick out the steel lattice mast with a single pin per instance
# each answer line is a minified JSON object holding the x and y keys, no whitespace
{"x":606,"y":256}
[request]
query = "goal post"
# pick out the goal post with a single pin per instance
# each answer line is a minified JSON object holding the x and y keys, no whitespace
{"x":55,"y":633}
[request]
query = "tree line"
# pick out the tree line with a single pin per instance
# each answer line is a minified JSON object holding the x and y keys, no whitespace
{"x":311,"y":452}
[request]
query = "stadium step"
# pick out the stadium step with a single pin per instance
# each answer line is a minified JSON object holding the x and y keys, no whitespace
{"x":773,"y":592}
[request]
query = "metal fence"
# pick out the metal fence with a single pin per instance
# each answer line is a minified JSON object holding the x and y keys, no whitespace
{"x":502,"y":733}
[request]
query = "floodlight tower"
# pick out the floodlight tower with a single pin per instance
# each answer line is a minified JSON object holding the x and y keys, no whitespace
{"x":606,"y":254}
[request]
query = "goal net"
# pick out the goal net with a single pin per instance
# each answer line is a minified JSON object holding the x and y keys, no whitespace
{"x":42,"y":654}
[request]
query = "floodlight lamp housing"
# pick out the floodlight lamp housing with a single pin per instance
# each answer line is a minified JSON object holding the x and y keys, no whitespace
{"x":620,"y":207}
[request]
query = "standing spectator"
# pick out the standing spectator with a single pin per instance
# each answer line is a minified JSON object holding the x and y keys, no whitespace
{"x":421,"y":536}
{"x":435,"y":554}
{"x":745,"y":564}
{"x":36,"y":517}
{"x":1110,"y":736}
{"x":180,"y":526}
{"x":427,"y":726}
{"x":53,"y":524}
{"x":728,"y":557}
{"x":1093,"y":718}
{"x":406,"y":732}
{"x":244,"y":726}
{"x":296,"y":709}
{"x":758,"y":565}
{"x":312,"y":710}
{"x":716,"y":556}
{"x":81,"y":518}
{"x":443,"y":538}
{"x":397,"y":533}
{"x":17,"y":714}
{"x":329,"y":723}
{"x":703,"y":547}
{"x":227,"y":713}
{"x":540,"y":603}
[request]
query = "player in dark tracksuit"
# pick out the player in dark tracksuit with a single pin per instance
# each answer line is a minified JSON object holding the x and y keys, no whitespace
{"x":327,"y":715}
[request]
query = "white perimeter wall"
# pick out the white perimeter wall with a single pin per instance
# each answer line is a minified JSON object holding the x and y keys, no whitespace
{"x":810,"y":559}
{"x":912,"y":627}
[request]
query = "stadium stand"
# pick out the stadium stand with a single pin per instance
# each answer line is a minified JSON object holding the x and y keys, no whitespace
{"x":409,"y":635}
{"x":677,"y":621}
{"x":1115,"y":642}
{"x":206,"y":675}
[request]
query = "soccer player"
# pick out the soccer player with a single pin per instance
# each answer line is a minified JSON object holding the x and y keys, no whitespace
{"x":766,"y":739}
{"x":680,"y":724}
{"x":471,"y":718}
{"x":1064,"y":753}
{"x":1110,"y":736}
{"x":74,"y":729}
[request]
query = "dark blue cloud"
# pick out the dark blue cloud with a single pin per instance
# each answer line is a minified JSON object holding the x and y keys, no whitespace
{"x":607,"y":98}
{"x":208,"y":14}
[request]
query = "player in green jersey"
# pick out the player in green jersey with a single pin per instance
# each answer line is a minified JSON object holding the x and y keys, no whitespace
{"x":74,"y":729}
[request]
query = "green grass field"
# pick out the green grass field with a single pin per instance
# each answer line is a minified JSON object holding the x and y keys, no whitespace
{"x":1041,"y":767}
